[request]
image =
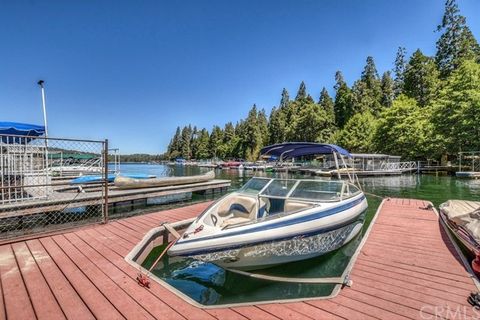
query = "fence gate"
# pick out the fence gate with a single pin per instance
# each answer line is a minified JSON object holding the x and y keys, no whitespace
{"x":39,"y":192}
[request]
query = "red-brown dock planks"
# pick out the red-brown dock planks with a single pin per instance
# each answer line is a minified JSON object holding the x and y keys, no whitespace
{"x":408,"y":269}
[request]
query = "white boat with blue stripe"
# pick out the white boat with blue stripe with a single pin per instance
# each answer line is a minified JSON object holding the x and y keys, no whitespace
{"x":272,"y":221}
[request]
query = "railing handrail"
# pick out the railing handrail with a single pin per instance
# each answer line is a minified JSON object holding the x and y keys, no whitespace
{"x":406,"y":165}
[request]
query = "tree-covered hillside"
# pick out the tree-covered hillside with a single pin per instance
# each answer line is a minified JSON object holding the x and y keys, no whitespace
{"x":423,"y":107}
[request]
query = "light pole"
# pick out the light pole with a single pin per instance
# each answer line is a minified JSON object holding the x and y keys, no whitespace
{"x":42,"y":88}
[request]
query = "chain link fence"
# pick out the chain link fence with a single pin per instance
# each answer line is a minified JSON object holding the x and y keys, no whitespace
{"x":50,"y":184}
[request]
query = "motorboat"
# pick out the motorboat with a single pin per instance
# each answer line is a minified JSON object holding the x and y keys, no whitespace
{"x":233,"y":164}
{"x":462,"y":218}
{"x":271,"y":221}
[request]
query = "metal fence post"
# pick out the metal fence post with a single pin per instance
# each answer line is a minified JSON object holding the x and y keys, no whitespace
{"x":105,"y":178}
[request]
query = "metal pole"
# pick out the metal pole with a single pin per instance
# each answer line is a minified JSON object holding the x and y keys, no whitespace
{"x":105,"y":178}
{"x":336,"y":165}
{"x":42,"y":88}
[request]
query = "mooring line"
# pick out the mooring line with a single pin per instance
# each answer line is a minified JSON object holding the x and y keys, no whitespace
{"x":331,"y":280}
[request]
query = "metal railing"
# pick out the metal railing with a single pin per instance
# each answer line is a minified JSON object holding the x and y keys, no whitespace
{"x":37,"y":193}
{"x":403,"y":166}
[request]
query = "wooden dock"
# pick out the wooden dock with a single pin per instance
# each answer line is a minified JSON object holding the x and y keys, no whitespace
{"x":408,"y":269}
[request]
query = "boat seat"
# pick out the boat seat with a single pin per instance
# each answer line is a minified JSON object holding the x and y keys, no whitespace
{"x":292,"y":206}
{"x":238,"y":206}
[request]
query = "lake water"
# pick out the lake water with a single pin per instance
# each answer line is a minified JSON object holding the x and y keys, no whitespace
{"x":208,"y":284}
{"x":437,"y":189}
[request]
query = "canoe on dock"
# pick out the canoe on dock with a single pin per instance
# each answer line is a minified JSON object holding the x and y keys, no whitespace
{"x":132,"y":183}
{"x":111,"y":178}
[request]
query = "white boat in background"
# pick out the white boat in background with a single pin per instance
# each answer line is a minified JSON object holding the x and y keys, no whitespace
{"x":125,"y":182}
{"x":274,"y":221}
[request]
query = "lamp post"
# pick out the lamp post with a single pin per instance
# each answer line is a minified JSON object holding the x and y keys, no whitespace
{"x":42,"y":88}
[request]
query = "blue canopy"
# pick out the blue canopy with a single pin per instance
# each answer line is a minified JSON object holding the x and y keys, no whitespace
{"x":298,"y":149}
{"x":19,"y":129}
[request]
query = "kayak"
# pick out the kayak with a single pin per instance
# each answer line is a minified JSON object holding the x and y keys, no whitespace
{"x":111,"y":178}
{"x":134,"y":183}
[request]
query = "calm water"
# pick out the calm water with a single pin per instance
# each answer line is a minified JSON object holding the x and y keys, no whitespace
{"x":210,"y":285}
{"x":437,"y":189}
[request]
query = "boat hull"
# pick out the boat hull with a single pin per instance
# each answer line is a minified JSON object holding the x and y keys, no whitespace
{"x":279,"y":252}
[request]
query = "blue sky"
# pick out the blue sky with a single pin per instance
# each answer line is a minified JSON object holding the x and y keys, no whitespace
{"x":132,"y":71}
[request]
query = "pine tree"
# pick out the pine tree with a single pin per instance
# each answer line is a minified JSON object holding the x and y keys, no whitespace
{"x":276,"y":126}
{"x":367,"y":92}
{"x":239,"y":146}
{"x":229,"y":140}
{"x":202,"y":144}
{"x":343,"y":106}
{"x":387,"y":89}
{"x":421,"y":78}
{"x":228,"y":132}
{"x":186,"y":136}
{"x":194,"y":142}
{"x":174,"y":148}
{"x":169,"y":153}
{"x":369,"y":73}
{"x":327,"y":104}
{"x":302,"y":92}
{"x":263,"y":127}
{"x":252,"y":135}
{"x":215,"y":142}
{"x":177,"y":140}
{"x":456,"y":43}
{"x":399,"y":70}
{"x":285,"y":99}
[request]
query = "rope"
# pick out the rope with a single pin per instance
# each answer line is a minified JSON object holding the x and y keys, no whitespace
{"x":332,"y":280}
{"x":162,"y":254}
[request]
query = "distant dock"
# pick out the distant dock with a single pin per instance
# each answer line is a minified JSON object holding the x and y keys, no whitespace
{"x":408,"y":268}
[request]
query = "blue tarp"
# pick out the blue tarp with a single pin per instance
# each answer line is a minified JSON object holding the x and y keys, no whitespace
{"x":19,"y":129}
{"x":297,"y":149}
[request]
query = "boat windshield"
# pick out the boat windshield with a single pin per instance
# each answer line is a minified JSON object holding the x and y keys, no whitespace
{"x":254,"y":185}
{"x":306,"y":190}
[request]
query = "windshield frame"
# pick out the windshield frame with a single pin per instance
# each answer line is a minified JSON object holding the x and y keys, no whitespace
{"x":344,"y":192}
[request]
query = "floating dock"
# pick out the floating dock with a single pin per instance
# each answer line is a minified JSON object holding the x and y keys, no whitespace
{"x":408,"y":268}
{"x":57,"y":200}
